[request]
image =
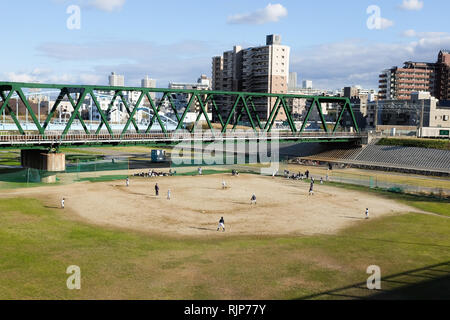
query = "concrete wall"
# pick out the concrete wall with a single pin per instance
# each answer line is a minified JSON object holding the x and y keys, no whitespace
{"x":42,"y":160}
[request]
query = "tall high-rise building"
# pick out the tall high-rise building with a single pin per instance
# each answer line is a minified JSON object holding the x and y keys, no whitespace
{"x":255,"y":69}
{"x":442,"y":87}
{"x":149,"y":83}
{"x":307,"y":84}
{"x":116,"y":80}
{"x":292,"y":83}
{"x":400,"y":83}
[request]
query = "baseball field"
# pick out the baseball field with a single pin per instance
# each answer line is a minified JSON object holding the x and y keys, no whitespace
{"x":131,"y":244}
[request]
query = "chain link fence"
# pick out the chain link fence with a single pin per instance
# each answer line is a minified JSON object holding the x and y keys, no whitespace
{"x":120,"y":168}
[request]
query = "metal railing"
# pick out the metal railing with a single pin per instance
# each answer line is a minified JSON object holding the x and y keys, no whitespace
{"x":58,"y":138}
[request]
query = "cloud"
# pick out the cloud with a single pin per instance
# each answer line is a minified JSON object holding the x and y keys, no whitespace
{"x":49,"y":76}
{"x":386,"y":23}
{"x":412,"y":5}
{"x":107,"y":5}
{"x":413,"y":34}
{"x":359,"y":62}
{"x":103,"y":5}
{"x":182,"y":61}
{"x":271,"y":13}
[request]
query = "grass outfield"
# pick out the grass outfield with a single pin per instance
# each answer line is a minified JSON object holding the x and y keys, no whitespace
{"x":39,"y":243}
{"x":380,"y":176}
{"x":442,"y":144}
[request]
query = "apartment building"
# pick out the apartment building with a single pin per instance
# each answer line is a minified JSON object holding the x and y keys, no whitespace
{"x":116,"y":80}
{"x":398,"y":83}
{"x":442,"y":89}
{"x":181,"y":100}
{"x":256,"y":69}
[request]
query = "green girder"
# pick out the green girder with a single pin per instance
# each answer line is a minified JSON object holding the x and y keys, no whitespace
{"x":206,"y":100}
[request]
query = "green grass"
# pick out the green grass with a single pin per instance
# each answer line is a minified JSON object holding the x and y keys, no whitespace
{"x":10,"y":158}
{"x":105,"y":178}
{"x":442,"y":208}
{"x":76,"y":151}
{"x":419,"y":143}
{"x":204,"y":172}
{"x":13,"y":178}
{"x":39,"y":243}
{"x":430,"y":203}
{"x":74,"y":158}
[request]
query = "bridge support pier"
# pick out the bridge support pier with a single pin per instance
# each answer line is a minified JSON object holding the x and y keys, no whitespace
{"x":43,"y":160}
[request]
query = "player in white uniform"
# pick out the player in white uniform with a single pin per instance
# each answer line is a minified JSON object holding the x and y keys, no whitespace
{"x":311,"y":189}
{"x":221,"y":224}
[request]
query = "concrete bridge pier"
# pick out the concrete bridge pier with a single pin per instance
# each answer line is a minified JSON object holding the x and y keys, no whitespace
{"x":43,"y":160}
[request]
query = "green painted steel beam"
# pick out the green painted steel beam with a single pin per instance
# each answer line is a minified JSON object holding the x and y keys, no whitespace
{"x":322,"y":118}
{"x":30,"y":111}
{"x":160,"y":144}
{"x":258,"y":120}
{"x":156,"y":113}
{"x":72,"y":102}
{"x":72,"y":118}
{"x":245,"y":98}
{"x":271,"y":118}
{"x":127,"y":107}
{"x":108,"y":110}
{"x":162,"y":90}
{"x":287,"y":111}
{"x":236,"y":102}
{"x":99,"y":109}
{"x":204,"y":112}
{"x":58,"y":101}
{"x":305,"y":121}
{"x":132,"y":114}
{"x":174,"y":109}
{"x":11,"y":112}
{"x":217,"y":110}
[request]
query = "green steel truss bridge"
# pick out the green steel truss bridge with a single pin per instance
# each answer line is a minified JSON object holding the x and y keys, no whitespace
{"x":76,"y":131}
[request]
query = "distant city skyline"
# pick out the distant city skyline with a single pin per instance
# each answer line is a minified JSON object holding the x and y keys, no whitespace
{"x":332,"y":43}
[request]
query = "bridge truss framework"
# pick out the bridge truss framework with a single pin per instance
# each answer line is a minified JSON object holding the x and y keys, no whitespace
{"x":243,"y":104}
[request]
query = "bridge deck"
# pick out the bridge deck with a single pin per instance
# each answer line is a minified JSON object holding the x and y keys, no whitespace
{"x":170,"y":138}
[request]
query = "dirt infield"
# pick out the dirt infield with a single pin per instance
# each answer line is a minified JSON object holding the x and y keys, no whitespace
{"x":283,"y":206}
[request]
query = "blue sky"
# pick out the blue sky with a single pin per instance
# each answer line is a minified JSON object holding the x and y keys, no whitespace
{"x":175,"y":40}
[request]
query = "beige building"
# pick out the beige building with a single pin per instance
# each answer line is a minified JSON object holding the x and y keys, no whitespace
{"x":422,"y":110}
{"x":434,"y":114}
{"x":257,"y":69}
{"x":400,"y":83}
{"x":149,"y":83}
{"x":116,"y":80}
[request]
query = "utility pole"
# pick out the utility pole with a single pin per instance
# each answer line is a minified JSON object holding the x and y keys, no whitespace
{"x":421,"y":114}
{"x":421,"y":118}
{"x":375,"y":121}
